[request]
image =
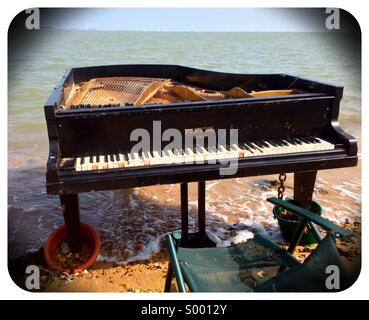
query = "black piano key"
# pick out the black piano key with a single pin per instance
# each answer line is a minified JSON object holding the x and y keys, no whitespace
{"x":291,"y":141}
{"x":210,"y":149}
{"x":282,"y":143}
{"x":265,"y":145}
{"x":257,"y":147}
{"x":111,"y":157}
{"x":251,"y":146}
{"x":246,"y":147}
{"x":313,"y":140}
{"x":106,"y":158}
{"x":259,"y":144}
{"x":272,"y":143}
{"x":275,"y":143}
{"x":278,"y":143}
{"x":297,"y":141}
{"x":165,"y":153}
{"x":304,"y":140}
{"x":82,"y":160}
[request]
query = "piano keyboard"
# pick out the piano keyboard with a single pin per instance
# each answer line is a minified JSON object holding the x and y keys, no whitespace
{"x":198,"y":155}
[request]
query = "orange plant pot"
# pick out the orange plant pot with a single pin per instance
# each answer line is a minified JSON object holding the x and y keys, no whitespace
{"x":60,"y":234}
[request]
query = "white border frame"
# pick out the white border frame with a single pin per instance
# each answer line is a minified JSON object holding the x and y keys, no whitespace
{"x":8,"y":290}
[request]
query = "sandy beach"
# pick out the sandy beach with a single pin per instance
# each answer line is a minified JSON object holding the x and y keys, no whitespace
{"x":149,"y":275}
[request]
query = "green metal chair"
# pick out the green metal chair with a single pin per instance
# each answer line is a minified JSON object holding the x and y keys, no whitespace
{"x":259,"y":264}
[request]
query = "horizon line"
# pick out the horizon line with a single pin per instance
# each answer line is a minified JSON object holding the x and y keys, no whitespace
{"x":187,"y":31}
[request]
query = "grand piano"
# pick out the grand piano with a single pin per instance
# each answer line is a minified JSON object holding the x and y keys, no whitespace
{"x":284,"y":124}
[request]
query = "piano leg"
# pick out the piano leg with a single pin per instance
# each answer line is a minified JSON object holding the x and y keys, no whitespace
{"x":184,"y":211}
{"x":201,"y":207}
{"x":70,"y":207}
{"x":302,"y":193}
{"x":303,"y":188}
{"x":198,"y":239}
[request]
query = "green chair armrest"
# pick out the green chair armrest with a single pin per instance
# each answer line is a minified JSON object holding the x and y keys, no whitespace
{"x":310,"y":216}
{"x":171,"y":245}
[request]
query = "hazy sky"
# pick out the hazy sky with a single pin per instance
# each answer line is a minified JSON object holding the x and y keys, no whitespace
{"x":178,"y":19}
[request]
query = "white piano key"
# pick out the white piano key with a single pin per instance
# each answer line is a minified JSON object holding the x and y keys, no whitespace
{"x":178,"y":156}
{"x":102,"y":165}
{"x":255,"y":149}
{"x":114,"y":162}
{"x":308,"y":146}
{"x":233,"y":151}
{"x":122,"y":160}
{"x":78,"y":166}
{"x":203,"y":153}
{"x":131,"y":160}
{"x":86,"y":166}
{"x":156,"y":157}
{"x":282,"y":148}
{"x":139,"y":159}
{"x":269,"y":149}
{"x":212,"y":154}
{"x":325,"y":144}
{"x":94,"y":163}
{"x":110,"y":163}
{"x":166,"y":157}
{"x":147,"y":158}
{"x":199,"y":155}
{"x":299,"y":146}
{"x":222,"y":152}
{"x":246,"y":150}
{"x":289,"y":148}
{"x":171,"y":158}
{"x":293,"y":146}
{"x":237,"y":151}
{"x":317,"y":146}
{"x":189,"y":156}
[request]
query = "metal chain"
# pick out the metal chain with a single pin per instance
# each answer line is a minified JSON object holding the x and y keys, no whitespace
{"x":282,"y":179}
